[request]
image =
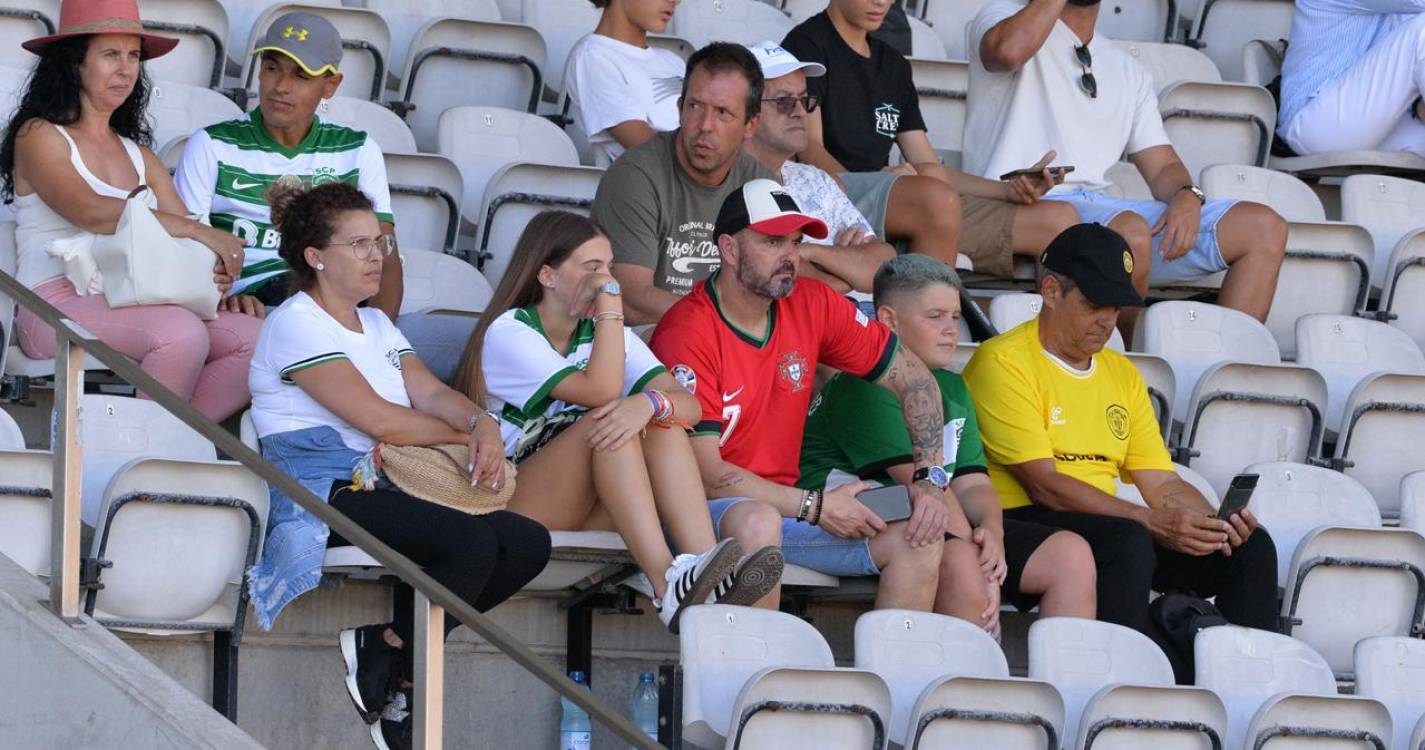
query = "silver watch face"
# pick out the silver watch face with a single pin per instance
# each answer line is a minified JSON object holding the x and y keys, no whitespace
{"x":611,"y":287}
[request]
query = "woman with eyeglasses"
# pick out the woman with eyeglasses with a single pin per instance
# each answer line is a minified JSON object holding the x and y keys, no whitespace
{"x":330,"y":380}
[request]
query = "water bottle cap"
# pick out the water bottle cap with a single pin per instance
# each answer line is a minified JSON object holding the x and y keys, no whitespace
{"x":646,"y":677}
{"x":578,"y":676}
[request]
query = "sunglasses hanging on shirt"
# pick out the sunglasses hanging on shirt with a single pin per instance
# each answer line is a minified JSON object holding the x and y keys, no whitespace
{"x":1086,"y":81}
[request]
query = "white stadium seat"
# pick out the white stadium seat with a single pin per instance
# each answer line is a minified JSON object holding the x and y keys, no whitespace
{"x":25,"y":507}
{"x":1137,"y":20}
{"x":1392,"y":671}
{"x":1346,"y":584}
{"x":14,"y":360}
{"x":1382,"y":429}
{"x":1308,"y":721}
{"x":1127,"y":182}
{"x":1224,"y":27}
{"x":406,"y":17}
{"x":950,"y":20}
{"x":924,"y":43}
{"x":741,"y":21}
{"x":1404,"y":293}
{"x":1129,"y":492}
{"x":1009,"y":310}
{"x":1162,"y":387}
{"x":1079,"y":657}
{"x":734,"y":658}
{"x":427,"y":193}
{"x":1172,"y":62}
{"x":200,"y":59}
{"x":508,"y":59}
{"x":675,"y":44}
{"x":177,"y":110}
{"x":1193,"y":336}
{"x":943,"y":87}
{"x":562,"y":23}
{"x":1345,"y":349}
{"x":32,"y":18}
{"x":1412,"y":501}
{"x":1249,"y":668}
{"x":366,"y":43}
{"x":1262,"y":60}
{"x":1288,"y":196}
{"x":1132,"y":717}
{"x":1007,"y":714}
{"x":515,"y":193}
{"x":384,"y":126}
{"x":1293,"y":499}
{"x":1218,"y":123}
{"x":115,"y":431}
{"x":481,"y":140}
{"x":801,"y":10}
{"x":1246,"y":413}
{"x":11,"y":438}
{"x":436,"y":281}
{"x":914,"y":652}
{"x":1392,"y":209}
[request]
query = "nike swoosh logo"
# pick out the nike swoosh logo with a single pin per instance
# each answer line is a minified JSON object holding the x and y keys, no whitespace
{"x":733,"y":395}
{"x":686,"y":265}
{"x":239,"y":185}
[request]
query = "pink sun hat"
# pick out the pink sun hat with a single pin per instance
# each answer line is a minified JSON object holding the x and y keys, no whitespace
{"x":85,"y":17}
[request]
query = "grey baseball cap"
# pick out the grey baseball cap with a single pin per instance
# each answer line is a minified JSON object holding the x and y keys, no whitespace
{"x":308,"y":39}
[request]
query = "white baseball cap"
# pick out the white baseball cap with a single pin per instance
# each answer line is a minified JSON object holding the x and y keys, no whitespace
{"x":777,"y":62}
{"x":766,"y":207}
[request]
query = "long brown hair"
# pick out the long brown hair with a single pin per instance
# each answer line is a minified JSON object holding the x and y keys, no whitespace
{"x":549,"y":239}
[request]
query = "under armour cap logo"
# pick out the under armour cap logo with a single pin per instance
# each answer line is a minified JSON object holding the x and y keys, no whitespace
{"x":292,"y":31}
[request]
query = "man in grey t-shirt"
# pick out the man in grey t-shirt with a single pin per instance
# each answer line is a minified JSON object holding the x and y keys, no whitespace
{"x":659,"y":201}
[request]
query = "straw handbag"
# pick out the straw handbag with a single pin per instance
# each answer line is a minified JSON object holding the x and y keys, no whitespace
{"x":142,"y":264}
{"x":436,"y":474}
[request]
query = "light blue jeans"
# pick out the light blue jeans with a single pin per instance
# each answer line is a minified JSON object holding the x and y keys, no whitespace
{"x":1203,"y":259}
{"x":811,"y":546}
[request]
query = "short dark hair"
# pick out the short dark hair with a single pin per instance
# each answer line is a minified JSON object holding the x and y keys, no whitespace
{"x":306,"y":217}
{"x":1066,"y":284}
{"x":728,"y":57}
{"x":908,"y":274}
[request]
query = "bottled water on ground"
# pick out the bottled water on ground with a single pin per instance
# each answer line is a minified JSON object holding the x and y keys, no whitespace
{"x":574,"y":727}
{"x":645,"y":705}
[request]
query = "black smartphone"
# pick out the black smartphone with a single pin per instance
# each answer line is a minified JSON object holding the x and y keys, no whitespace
{"x":890,"y":503}
{"x":1239,"y":493}
{"x":1034,"y":172}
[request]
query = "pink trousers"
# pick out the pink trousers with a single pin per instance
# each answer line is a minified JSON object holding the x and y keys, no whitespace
{"x":205,"y":362}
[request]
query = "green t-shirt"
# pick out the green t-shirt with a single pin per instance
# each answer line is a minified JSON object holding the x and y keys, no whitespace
{"x":856,"y":427}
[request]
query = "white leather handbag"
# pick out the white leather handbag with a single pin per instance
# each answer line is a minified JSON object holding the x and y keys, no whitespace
{"x":142,"y":264}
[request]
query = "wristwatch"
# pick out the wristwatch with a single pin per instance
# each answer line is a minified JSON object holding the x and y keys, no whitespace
{"x":934,"y":474}
{"x":1196,"y":193}
{"x":479,"y":415}
{"x":611,"y":287}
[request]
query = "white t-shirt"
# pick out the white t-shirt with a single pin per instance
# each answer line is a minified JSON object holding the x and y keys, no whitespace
{"x":300,"y":334}
{"x":614,"y":82}
{"x":817,"y":194}
{"x":521,"y":370}
{"x":1014,"y":118}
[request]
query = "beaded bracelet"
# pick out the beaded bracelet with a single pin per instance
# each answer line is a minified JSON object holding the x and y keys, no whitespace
{"x":816,"y":512}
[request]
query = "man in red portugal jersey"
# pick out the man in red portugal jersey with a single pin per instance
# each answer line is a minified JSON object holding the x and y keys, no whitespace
{"x":746,"y":343}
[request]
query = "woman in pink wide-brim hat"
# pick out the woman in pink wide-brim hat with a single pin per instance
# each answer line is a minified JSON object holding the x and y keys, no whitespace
{"x":89,"y":17}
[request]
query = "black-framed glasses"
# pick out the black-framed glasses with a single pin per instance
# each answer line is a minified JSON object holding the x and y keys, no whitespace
{"x":367,"y":247}
{"x":1086,"y":81}
{"x":787,"y":104}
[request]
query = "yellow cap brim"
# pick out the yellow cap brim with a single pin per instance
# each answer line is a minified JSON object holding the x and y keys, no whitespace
{"x":313,"y":73}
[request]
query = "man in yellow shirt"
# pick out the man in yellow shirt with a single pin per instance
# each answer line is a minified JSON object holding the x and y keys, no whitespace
{"x":1062,"y":417}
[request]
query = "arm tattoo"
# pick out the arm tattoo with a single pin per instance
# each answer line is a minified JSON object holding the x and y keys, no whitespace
{"x":730,"y":479}
{"x":919,"y":395}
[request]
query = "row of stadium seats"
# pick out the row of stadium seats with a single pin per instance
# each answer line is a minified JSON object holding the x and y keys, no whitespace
{"x":766,"y":679}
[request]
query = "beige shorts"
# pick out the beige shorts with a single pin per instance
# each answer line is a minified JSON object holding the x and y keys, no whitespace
{"x":985,"y":234}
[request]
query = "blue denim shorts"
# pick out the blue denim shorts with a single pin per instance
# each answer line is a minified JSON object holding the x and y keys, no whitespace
{"x":1203,"y":259}
{"x":811,"y":546}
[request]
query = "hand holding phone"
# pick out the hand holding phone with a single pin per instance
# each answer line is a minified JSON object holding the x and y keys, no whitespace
{"x":1239,"y":493}
{"x":1057,"y":172}
{"x":890,"y":503}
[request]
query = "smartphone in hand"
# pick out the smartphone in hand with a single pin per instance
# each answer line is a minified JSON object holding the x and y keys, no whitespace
{"x":1239,"y":493}
{"x":890,"y":503}
{"x":1057,"y":171}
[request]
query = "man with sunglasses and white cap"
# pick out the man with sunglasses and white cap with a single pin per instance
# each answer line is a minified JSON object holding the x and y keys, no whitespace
{"x":1040,"y":79}
{"x":746,"y":343}
{"x":227,"y":169}
{"x":847,"y":258}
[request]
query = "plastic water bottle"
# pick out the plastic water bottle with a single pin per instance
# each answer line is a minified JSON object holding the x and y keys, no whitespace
{"x":645,"y":705}
{"x":575,"y":732}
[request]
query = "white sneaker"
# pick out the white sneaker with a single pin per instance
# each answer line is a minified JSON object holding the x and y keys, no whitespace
{"x":751,"y":579}
{"x":691,"y":579}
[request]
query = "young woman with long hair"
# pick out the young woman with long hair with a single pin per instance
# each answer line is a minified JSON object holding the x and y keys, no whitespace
{"x":595,"y":421}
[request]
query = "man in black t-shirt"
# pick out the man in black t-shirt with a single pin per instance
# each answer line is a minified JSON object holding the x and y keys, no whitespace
{"x":873,"y":104}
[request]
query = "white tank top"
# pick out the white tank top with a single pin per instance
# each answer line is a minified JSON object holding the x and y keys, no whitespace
{"x":36,"y":223}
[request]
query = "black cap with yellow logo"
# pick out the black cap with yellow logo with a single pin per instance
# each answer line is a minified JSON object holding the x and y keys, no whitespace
{"x":1098,"y":260}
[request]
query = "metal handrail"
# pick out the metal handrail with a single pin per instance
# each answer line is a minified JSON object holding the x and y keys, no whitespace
{"x":432,"y":598}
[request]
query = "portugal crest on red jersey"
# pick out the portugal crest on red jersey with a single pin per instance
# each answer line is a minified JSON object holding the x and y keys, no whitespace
{"x":792,"y":369}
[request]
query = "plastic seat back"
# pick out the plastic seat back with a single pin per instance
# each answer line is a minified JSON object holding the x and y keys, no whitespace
{"x":743,"y":21}
{"x":1224,"y":27}
{"x":1392,"y":671}
{"x":383,"y":126}
{"x":1170,"y":62}
{"x":436,"y":281}
{"x":11,"y":438}
{"x":19,"y":27}
{"x":508,"y":59}
{"x":1404,"y":294}
{"x":1193,"y":336}
{"x":910,"y":650}
{"x":1327,"y":270}
{"x":1246,"y":667}
{"x":951,"y":22}
{"x":1390,"y":207}
{"x":1131,"y":717}
{"x":562,"y":23}
{"x":1346,"y":584}
{"x":407,"y":17}
{"x":1292,"y":499}
{"x":1306,"y":722}
{"x":1162,"y":386}
{"x":1129,"y":492}
{"x":721,"y":647}
{"x":115,"y":430}
{"x":25,"y":482}
{"x":201,"y":55}
{"x":1078,"y":657}
{"x":427,"y":195}
{"x":1412,"y":501}
{"x":177,"y":110}
{"x":1242,"y":414}
{"x":1281,"y":192}
{"x":1218,"y":123}
{"x":803,"y":707}
{"x":1007,"y":714}
{"x":481,"y":140}
{"x":1140,"y":20}
{"x":1009,"y":310}
{"x":518,"y":192}
{"x":180,"y":536}
{"x":1382,"y":429}
{"x":924,"y":43}
{"x":1345,"y":349}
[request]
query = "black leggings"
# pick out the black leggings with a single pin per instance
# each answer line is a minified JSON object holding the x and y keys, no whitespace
{"x":482,"y":559}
